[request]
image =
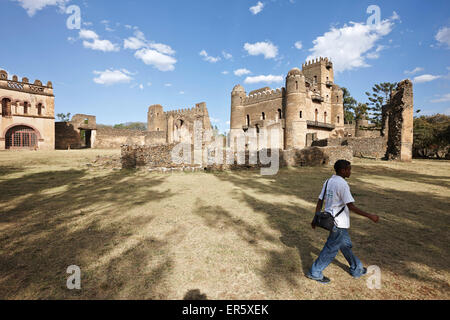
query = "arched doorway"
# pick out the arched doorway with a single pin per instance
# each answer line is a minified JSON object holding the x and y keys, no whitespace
{"x":21,"y":137}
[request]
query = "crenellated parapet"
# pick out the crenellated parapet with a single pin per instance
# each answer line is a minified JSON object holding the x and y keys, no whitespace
{"x":24,"y":86}
{"x":263,"y":95}
{"x":318,"y":61}
{"x":199,"y":109}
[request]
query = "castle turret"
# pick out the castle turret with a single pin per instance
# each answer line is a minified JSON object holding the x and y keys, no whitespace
{"x":156,"y":118}
{"x":237,"y":107}
{"x":296,"y":125}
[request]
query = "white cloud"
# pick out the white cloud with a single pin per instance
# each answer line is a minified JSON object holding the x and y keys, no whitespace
{"x":181,"y":92}
{"x":299,"y":45}
{"x":226,"y":55}
{"x":350,"y":46}
{"x":33,"y":6}
{"x":266,"y":79}
{"x":133,"y":43}
{"x":139,"y":41}
{"x":214,"y":120}
{"x":443,"y":98}
{"x":414,"y":71}
{"x":225,"y":72}
{"x":156,"y":59}
{"x":208,"y":58}
{"x":443,"y":36}
{"x":395,"y":16}
{"x":168,"y":85}
{"x":93,"y":41}
{"x":426,"y":78}
{"x":268,"y":49}
{"x":241,"y":72}
{"x":109,"y":77}
{"x":257,"y":8}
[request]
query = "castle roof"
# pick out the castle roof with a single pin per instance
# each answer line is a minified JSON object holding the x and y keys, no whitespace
{"x":238,"y":88}
{"x":295,"y":72}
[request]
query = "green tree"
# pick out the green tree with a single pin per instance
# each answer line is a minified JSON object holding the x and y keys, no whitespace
{"x":380,"y":96}
{"x":432,"y":136}
{"x":349,"y":106}
{"x":64,"y":117}
{"x":361,"y":111}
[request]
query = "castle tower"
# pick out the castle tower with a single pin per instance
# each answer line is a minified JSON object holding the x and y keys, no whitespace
{"x":296,"y":125}
{"x":237,"y":107}
{"x":156,"y":118}
{"x":320,"y":72}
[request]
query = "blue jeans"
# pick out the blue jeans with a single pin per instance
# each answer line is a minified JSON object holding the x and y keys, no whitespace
{"x":339,"y":239}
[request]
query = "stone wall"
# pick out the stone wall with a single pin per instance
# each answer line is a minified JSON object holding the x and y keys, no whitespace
{"x":66,"y":136}
{"x":361,"y":147}
{"x":153,"y":157}
{"x":110,"y":138}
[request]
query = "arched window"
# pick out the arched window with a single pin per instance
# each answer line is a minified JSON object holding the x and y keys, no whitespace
{"x":248,"y":120}
{"x":338,"y":119}
{"x":296,"y":85}
{"x":6,"y":107}
{"x":301,"y":114}
{"x":316,"y":115}
{"x":263,"y":116}
{"x":325,"y":117}
{"x":25,"y":108}
{"x":315,"y":79}
{"x":39,"y":109}
{"x":280,"y":115}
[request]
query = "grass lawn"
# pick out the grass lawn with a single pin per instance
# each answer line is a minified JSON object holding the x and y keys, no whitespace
{"x":230,"y":235}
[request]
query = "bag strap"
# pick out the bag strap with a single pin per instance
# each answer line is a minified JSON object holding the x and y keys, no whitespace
{"x":324,"y":194}
{"x":342,"y":210}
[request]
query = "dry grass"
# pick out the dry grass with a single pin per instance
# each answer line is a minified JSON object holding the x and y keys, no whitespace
{"x":139,"y":235}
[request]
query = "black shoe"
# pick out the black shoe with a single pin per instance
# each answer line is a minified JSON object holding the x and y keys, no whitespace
{"x":324,"y":280}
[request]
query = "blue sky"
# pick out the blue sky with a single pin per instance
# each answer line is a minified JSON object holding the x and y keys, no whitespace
{"x":128,"y":55}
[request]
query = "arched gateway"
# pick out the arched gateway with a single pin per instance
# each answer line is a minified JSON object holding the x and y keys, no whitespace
{"x":21,"y":137}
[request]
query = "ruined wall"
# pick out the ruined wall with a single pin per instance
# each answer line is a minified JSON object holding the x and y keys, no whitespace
{"x":109,"y":138}
{"x":66,"y":136}
{"x":398,"y":119}
{"x":152,"y":157}
{"x":361,"y":147}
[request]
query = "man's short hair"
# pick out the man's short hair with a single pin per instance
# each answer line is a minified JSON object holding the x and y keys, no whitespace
{"x":341,"y":165}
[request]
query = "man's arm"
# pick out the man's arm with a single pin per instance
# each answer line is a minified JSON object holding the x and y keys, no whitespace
{"x":356,"y":210}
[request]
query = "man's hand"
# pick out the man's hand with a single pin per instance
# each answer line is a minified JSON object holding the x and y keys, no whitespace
{"x":374,"y":218}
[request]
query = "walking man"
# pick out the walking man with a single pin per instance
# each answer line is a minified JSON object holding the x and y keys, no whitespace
{"x":338,"y":197}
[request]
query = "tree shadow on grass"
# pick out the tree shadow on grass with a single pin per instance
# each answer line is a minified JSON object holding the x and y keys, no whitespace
{"x":76,"y":219}
{"x":403,"y":237}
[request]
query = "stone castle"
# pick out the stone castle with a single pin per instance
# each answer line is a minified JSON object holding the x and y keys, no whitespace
{"x":27,"y":118}
{"x":310,"y":107}
{"x":178,"y":125}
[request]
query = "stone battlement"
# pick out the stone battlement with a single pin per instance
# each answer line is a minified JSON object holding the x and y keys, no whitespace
{"x":260,"y":95}
{"x":199,"y":108}
{"x":318,"y":61}
{"x":14,"y":84}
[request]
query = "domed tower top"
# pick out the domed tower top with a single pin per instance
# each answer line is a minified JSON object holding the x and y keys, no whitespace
{"x":295,"y":72}
{"x":238,"y":88}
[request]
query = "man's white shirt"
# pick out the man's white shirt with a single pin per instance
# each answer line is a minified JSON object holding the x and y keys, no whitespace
{"x":338,"y":195}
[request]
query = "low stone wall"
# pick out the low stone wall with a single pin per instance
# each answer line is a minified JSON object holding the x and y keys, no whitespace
{"x":160,"y":156}
{"x":361,"y":147}
{"x":110,"y":138}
